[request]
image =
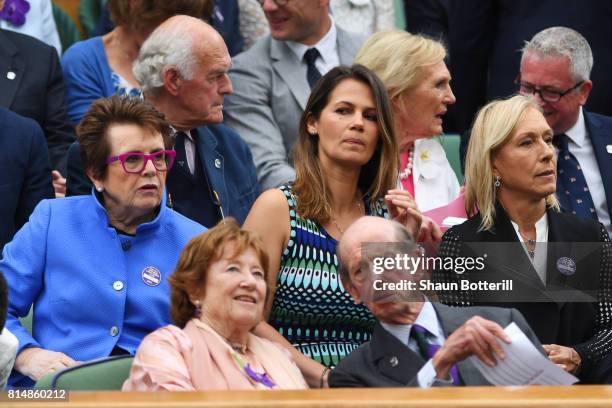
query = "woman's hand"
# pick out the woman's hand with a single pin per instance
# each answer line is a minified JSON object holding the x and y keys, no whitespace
{"x":59,"y":184}
{"x":565,"y":357}
{"x":36,"y":362}
{"x":403,"y":209}
{"x":430,"y":232}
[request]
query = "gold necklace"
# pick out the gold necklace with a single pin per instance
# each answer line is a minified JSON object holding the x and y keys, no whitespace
{"x":336,"y":223}
{"x":237,"y":347}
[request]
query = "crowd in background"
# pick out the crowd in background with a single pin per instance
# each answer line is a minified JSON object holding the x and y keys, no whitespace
{"x":202,"y":174}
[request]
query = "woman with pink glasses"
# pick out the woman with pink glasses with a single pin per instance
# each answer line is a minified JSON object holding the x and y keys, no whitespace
{"x":95,"y":267}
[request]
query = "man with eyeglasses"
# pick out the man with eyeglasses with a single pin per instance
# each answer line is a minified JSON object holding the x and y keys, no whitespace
{"x":555,"y":68}
{"x":272,"y":80}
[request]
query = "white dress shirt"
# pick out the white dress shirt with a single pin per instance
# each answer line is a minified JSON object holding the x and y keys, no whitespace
{"x":428,"y":319}
{"x":327,"y":47}
{"x":581,"y":147}
{"x":540,"y":256}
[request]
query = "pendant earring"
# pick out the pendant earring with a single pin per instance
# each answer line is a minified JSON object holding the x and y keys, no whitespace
{"x":497,"y":183}
{"x":198,"y":309}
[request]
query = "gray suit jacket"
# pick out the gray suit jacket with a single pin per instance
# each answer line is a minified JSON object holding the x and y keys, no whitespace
{"x":270,"y":94}
{"x":385,"y":361}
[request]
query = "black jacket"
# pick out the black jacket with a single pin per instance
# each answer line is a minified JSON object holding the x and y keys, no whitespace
{"x":31,"y":84}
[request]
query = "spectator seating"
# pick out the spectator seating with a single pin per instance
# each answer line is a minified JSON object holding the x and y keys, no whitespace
{"x":107,"y":373}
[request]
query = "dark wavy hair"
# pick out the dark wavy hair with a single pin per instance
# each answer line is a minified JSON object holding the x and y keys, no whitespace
{"x":377,"y":176}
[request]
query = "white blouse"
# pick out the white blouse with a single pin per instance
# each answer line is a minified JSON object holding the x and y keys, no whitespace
{"x":539,"y":258}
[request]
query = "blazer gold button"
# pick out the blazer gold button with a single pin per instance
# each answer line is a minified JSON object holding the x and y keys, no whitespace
{"x":117,"y":285}
{"x":218,"y":163}
{"x":393,"y":361}
{"x":114,"y":331}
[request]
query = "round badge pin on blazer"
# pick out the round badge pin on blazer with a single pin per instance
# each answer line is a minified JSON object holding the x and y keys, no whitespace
{"x":151,"y":276}
{"x":566,"y":266}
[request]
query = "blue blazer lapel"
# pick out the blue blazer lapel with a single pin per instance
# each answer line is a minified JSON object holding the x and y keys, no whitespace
{"x":601,"y":137}
{"x":9,"y":62}
{"x":289,"y":68}
{"x":213,"y":165}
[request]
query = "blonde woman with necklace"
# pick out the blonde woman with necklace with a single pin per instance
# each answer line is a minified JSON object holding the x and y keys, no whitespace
{"x":515,"y":224}
{"x":418,"y":83}
{"x":346,"y":165}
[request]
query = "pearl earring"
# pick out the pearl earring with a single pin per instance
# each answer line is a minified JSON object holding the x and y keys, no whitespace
{"x":198,"y":309}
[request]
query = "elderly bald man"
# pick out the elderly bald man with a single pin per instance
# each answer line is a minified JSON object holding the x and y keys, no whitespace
{"x":407,"y":325}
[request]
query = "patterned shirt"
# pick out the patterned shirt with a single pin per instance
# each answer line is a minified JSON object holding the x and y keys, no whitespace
{"x":311,"y":309}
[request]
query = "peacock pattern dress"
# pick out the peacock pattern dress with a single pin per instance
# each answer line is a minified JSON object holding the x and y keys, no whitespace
{"x":311,"y":309}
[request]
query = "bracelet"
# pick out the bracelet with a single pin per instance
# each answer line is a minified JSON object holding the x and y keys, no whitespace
{"x":321,"y":380}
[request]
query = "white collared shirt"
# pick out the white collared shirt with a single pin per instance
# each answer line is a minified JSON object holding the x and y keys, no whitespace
{"x":327,"y":47}
{"x":428,"y":319}
{"x":581,"y":147}
{"x":540,"y":256}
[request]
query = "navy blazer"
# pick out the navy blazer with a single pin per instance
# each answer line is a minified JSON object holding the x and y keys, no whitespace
{"x":31,"y":84}
{"x":486,"y":36}
{"x":25,"y":178}
{"x":599,"y":128}
{"x":226,"y":159}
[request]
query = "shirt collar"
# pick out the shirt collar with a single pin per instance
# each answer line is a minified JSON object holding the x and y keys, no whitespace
{"x":577,"y":133}
{"x":427,"y":318}
{"x":186,"y":132}
{"x":326,"y":45}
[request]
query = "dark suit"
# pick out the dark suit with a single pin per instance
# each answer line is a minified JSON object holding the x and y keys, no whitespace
{"x":599,"y":129}
{"x":25,"y":178}
{"x":486,"y":36}
{"x":31,"y":85}
{"x":385,"y":361}
{"x":580,"y":317}
{"x":227,"y":163}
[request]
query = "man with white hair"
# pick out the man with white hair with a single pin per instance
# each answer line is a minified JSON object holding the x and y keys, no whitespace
{"x":183,"y":71}
{"x":555,"y":68}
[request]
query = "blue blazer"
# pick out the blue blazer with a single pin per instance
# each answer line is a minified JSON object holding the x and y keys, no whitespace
{"x":25,"y":178}
{"x":235,"y":178}
{"x":599,"y":128}
{"x":92,"y":289}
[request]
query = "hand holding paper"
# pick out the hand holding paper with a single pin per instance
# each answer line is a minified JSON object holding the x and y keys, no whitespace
{"x":523,"y":365}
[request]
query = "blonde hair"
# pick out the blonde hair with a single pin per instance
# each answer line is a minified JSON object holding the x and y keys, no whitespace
{"x":398,"y":57}
{"x":492,"y":128}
